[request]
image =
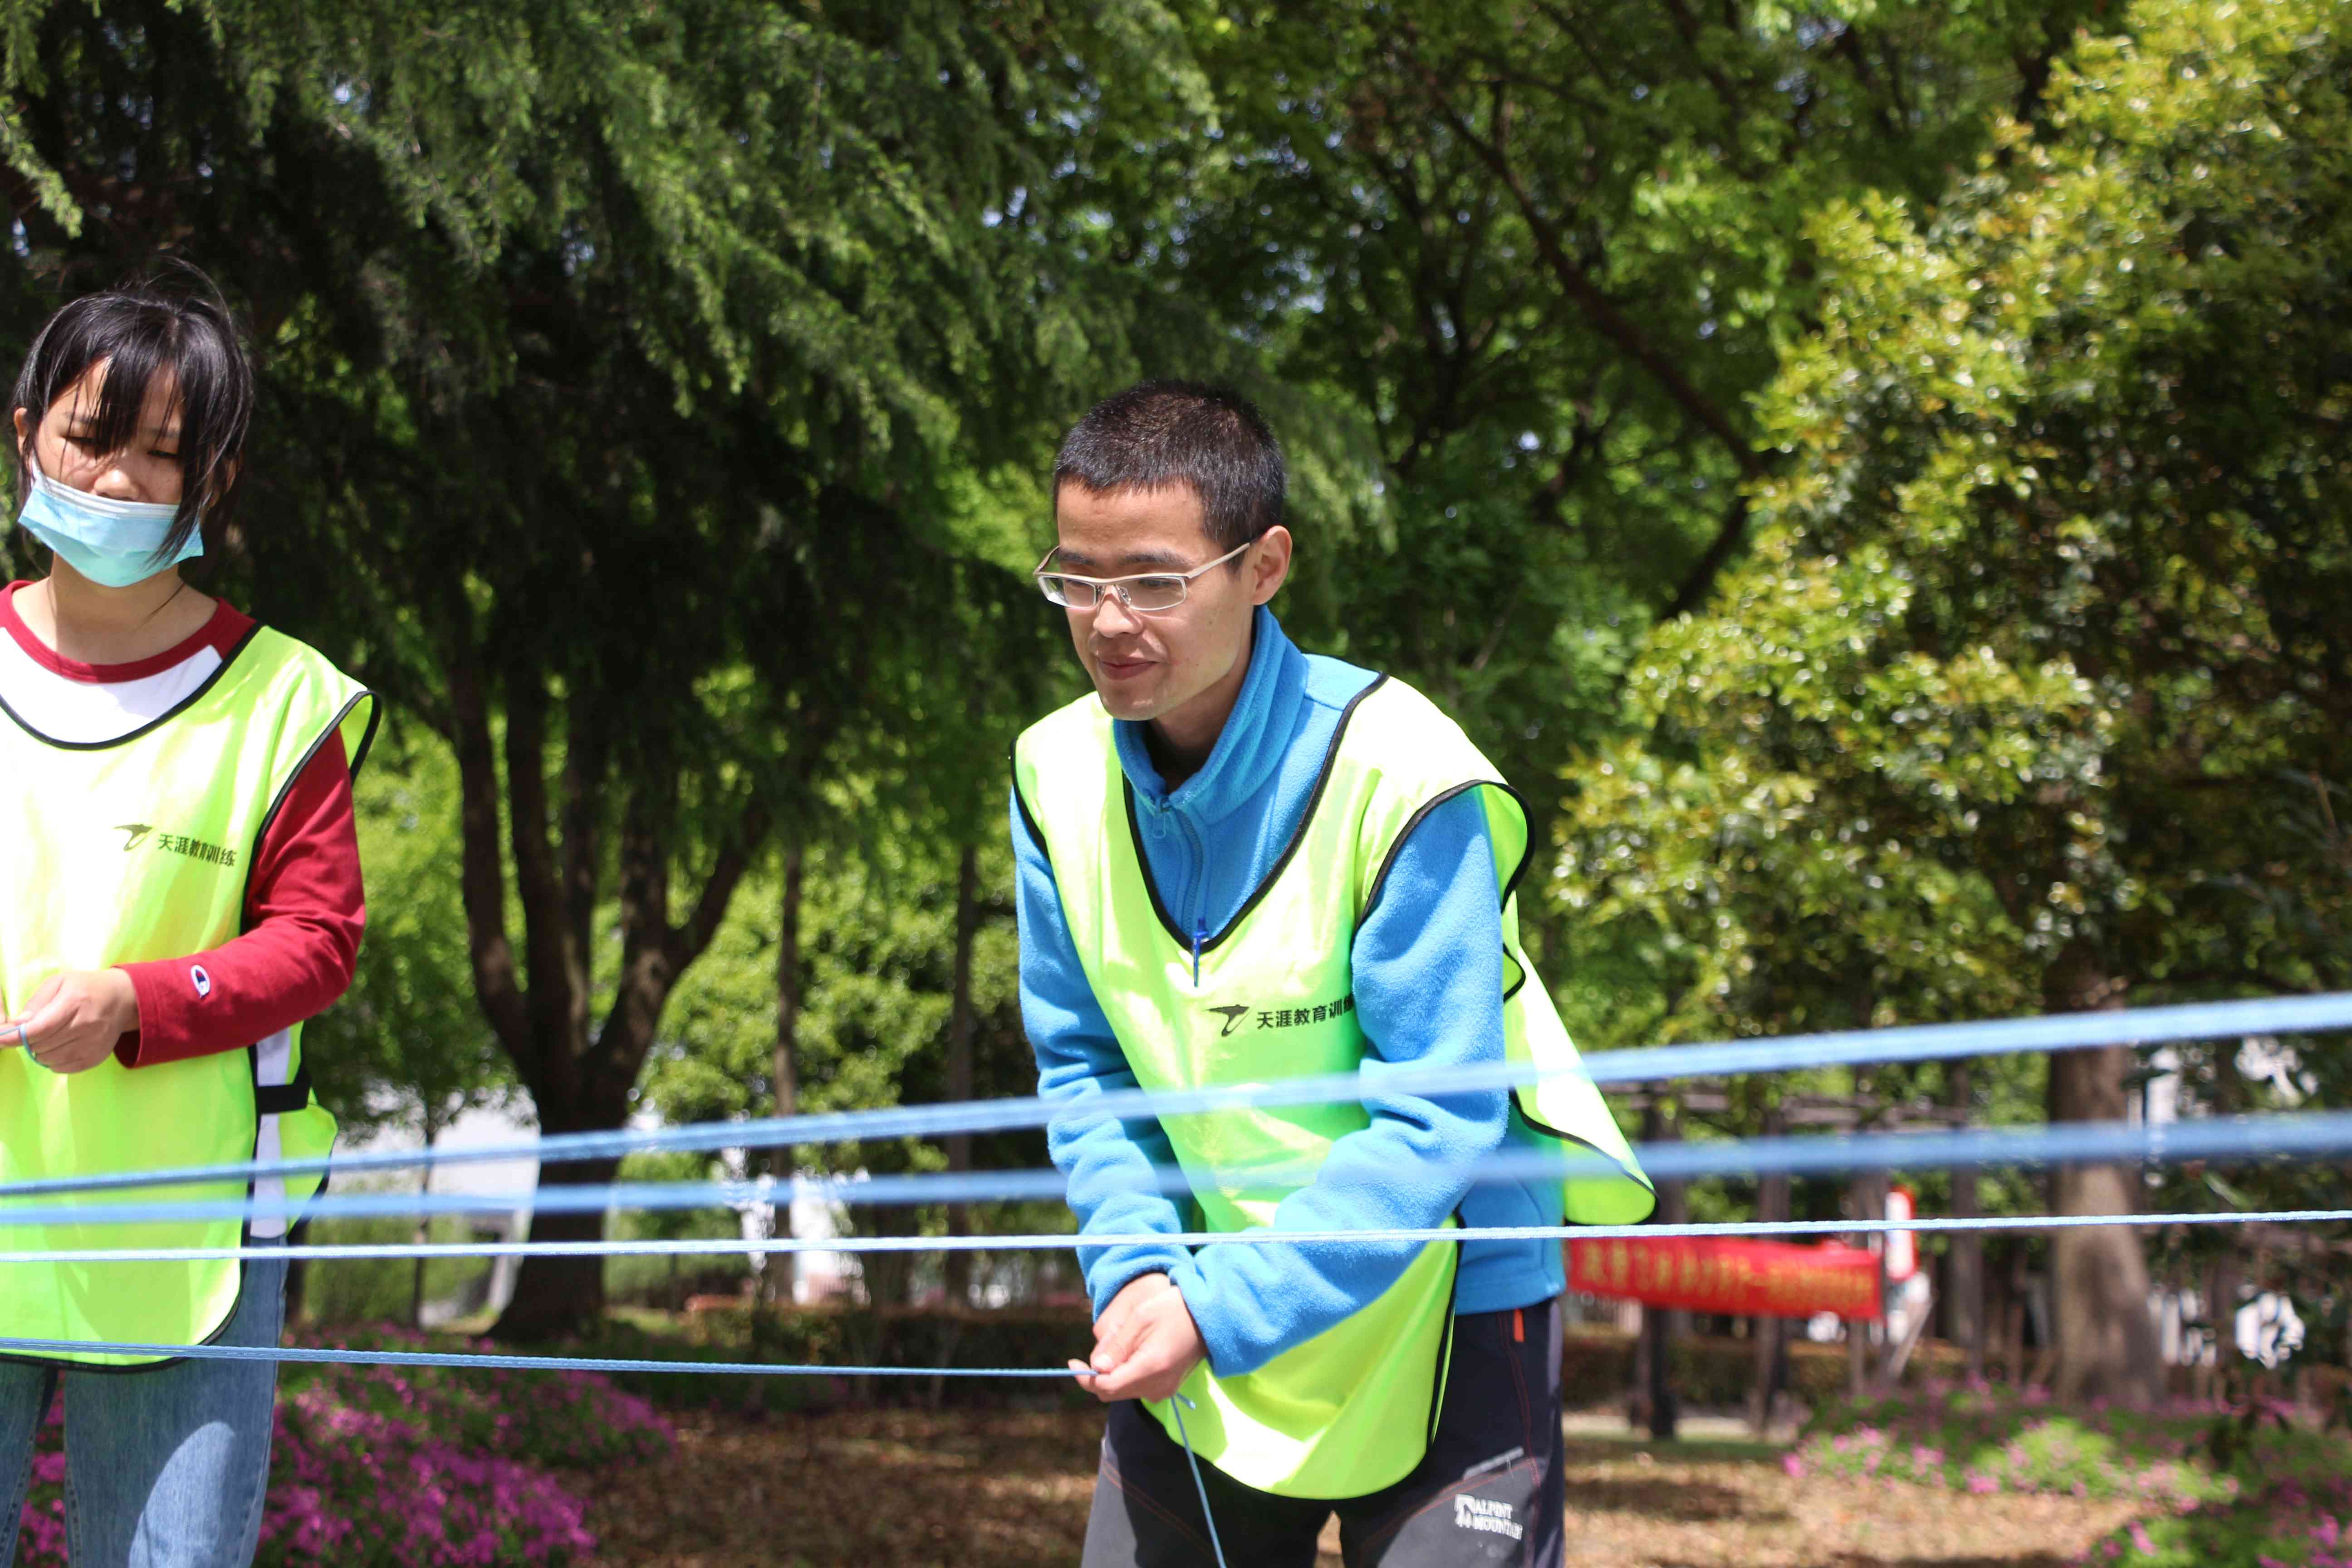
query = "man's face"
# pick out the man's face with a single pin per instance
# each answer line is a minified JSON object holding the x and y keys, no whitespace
{"x":1161,"y":665}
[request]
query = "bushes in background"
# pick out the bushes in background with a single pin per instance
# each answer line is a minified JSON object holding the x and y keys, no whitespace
{"x":2252,"y":1487}
{"x":402,"y":1468}
{"x":1716,"y":1372}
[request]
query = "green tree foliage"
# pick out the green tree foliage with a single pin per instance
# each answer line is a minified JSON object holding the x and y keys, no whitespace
{"x":1883,"y":461}
{"x":2035,"y":691}
{"x":878,"y":960}
{"x":669,"y":1278}
{"x":407,"y":1046}
{"x":1539,"y":257}
{"x":613,"y":355}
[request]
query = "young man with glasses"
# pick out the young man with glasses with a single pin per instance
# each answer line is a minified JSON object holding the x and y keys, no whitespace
{"x":1240,"y":863}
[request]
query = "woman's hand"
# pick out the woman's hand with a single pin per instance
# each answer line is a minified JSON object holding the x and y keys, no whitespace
{"x":75,"y":1020}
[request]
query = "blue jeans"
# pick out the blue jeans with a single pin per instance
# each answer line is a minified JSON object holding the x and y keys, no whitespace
{"x":165,"y":1468}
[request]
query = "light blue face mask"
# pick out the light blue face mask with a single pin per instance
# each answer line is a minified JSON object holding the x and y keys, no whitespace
{"x":113,"y":542}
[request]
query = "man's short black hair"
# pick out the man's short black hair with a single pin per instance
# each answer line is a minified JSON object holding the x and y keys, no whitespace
{"x":1163,"y":433}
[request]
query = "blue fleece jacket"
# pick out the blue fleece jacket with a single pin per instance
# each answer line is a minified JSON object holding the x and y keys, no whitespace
{"x":1428,"y":980}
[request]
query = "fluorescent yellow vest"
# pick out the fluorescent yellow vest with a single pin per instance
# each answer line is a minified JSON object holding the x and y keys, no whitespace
{"x":1350,"y":1411}
{"x":133,"y":850}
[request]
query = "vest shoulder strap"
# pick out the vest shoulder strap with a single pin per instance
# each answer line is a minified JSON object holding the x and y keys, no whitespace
{"x":316,"y":698}
{"x":1063,"y":769}
{"x":1399,"y":758}
{"x":1403,"y":757}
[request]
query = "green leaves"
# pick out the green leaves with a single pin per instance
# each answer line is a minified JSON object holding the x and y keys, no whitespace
{"x":408,"y":1043}
{"x":2020,"y":648}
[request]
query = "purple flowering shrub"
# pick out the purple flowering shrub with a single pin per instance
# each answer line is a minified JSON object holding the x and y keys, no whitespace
{"x":401,"y":1467}
{"x":2223,"y":1488}
{"x":2302,"y":1521}
{"x":568,"y":1420}
{"x":41,"y":1534}
{"x":1976,"y":1438}
{"x":350,"y":1486}
{"x":2295,"y":1510}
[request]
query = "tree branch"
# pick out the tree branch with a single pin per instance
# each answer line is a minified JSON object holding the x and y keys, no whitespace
{"x":685,"y":943}
{"x":586,"y":752}
{"x":553,"y":992}
{"x":646,"y":975}
{"x":1689,"y":26}
{"x":482,"y":869}
{"x":1700,"y":578}
{"x":1606,"y":316}
{"x":1849,"y":45}
{"x":1590,"y":438}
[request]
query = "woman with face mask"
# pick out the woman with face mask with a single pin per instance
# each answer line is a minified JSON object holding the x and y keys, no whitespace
{"x":178,"y":847}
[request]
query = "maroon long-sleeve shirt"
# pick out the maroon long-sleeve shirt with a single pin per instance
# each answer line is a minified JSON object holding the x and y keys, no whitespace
{"x":304,"y":906}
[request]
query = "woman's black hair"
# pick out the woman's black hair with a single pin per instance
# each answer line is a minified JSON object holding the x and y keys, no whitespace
{"x":172,"y":322}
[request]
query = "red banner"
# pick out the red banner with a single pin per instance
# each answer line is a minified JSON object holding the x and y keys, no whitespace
{"x":1746,"y":1278}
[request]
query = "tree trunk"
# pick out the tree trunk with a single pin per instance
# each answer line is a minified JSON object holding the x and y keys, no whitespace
{"x":2221,"y":1308}
{"x":783,"y":1268}
{"x":959,"y":1026}
{"x":2020,"y":1314}
{"x":558,"y":1297}
{"x":1867,"y":1193}
{"x":579,"y":1068}
{"x":1963,"y":1307}
{"x":1660,"y":1325}
{"x":423,"y":1223}
{"x":1771,"y":1356}
{"x":2106,"y":1346}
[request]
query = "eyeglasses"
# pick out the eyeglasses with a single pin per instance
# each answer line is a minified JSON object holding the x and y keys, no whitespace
{"x":1150,"y":592}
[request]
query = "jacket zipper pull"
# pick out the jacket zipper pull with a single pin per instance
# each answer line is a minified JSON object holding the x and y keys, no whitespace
{"x":1200,"y":935}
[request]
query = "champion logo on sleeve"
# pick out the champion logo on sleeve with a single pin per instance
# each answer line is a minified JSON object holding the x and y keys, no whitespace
{"x":198,"y":978}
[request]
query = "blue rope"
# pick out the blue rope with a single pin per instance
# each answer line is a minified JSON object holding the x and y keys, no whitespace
{"x":1930,"y":1042}
{"x":1054,"y":1241}
{"x":2213,"y":1137}
{"x":487,"y":1362}
{"x":613,"y":1365}
{"x":1176,"y":1405}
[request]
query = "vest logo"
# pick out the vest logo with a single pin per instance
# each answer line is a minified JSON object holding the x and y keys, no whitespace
{"x":1237,"y":1013}
{"x":1487,"y":1515}
{"x":137,"y":833}
{"x":1292,"y":1017}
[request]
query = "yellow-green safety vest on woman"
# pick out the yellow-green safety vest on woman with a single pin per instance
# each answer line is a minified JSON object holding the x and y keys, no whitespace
{"x":1350,"y":1410}
{"x":127,"y":851}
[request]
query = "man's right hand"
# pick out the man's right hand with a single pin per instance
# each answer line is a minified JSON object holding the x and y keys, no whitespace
{"x":1146,"y":1343}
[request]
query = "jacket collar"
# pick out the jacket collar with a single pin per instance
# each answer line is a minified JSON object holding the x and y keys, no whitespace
{"x":1250,"y":747}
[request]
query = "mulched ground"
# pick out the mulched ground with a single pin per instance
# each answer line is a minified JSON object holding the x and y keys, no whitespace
{"x":1009,"y":1489}
{"x":980,"y":1490}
